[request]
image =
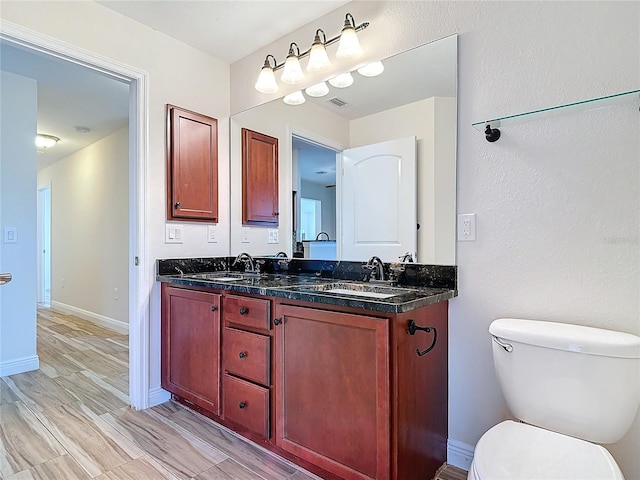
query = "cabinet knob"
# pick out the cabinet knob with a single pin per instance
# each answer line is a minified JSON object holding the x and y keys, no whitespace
{"x":242,"y":405}
{"x":244,"y":311}
{"x":277,"y":321}
{"x":214,"y":308}
{"x":177,"y":205}
{"x":242,"y":354}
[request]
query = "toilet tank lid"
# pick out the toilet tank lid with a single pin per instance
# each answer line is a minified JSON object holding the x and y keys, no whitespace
{"x":563,"y":336}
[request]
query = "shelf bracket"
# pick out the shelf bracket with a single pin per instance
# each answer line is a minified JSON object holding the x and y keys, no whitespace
{"x":491,"y":134}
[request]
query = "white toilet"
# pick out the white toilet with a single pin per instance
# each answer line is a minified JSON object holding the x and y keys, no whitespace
{"x":572,"y":387}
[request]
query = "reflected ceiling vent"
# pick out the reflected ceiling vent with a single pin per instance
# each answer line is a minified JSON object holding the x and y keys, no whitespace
{"x":336,"y":101}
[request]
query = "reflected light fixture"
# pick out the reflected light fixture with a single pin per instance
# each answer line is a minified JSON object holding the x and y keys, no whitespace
{"x":318,"y":58}
{"x":317,"y":90}
{"x":349,"y":47}
{"x":46,"y":141}
{"x":343,"y":80}
{"x":295,"y":98}
{"x":292,"y":74}
{"x":267,"y":80}
{"x":372,"y":69}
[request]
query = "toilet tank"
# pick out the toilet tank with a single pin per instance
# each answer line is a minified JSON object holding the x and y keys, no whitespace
{"x":576,"y":380}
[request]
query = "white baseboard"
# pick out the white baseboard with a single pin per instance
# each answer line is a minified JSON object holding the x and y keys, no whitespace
{"x":21,"y":365}
{"x":459,"y":454}
{"x":110,"y":323}
{"x":157,"y":396}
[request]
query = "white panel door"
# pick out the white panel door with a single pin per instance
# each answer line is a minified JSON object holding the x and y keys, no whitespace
{"x":378,"y":200}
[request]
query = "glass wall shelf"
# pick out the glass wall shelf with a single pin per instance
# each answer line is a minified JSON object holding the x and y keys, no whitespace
{"x":577,"y":107}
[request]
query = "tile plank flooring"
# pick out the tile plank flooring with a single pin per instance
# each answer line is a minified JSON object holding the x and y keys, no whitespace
{"x":71,"y":420}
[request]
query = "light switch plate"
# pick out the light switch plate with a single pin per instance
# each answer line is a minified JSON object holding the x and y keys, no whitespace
{"x":273,"y":236}
{"x":10,"y":234}
{"x":244,"y":235}
{"x":211,"y":234}
{"x":173,"y":233}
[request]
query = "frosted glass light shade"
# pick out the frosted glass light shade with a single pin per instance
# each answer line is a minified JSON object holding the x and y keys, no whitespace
{"x":46,"y":141}
{"x":343,"y":80}
{"x":317,"y":90}
{"x":372,"y":69}
{"x":295,"y":98}
{"x":292,"y":72}
{"x":349,"y":47}
{"x":267,"y":81}
{"x":318,"y":58}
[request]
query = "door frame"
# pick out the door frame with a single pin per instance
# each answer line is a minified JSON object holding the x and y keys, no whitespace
{"x":139,"y":280}
{"x":44,"y":240}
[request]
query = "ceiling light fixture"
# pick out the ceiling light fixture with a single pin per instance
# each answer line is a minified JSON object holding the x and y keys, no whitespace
{"x":372,"y":69}
{"x":349,"y":48}
{"x":46,"y":141}
{"x":343,"y":80}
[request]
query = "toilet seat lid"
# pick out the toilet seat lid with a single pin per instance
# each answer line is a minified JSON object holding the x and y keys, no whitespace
{"x":513,"y":450}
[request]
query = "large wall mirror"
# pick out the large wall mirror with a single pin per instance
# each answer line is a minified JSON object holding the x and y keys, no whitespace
{"x":330,"y":205}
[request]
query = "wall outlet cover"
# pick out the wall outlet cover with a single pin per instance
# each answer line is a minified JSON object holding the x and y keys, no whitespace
{"x":211,"y":234}
{"x":244,"y":235}
{"x":467,"y":227}
{"x":10,"y":235}
{"x":273,"y":236}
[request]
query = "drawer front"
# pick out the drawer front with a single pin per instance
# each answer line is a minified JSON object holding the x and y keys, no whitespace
{"x":247,"y":355}
{"x":252,"y":312}
{"x":246,"y":404}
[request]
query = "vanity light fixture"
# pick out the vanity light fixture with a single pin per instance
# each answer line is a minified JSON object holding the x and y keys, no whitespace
{"x":46,"y":141}
{"x":292,"y":72}
{"x":318,"y":58}
{"x":295,"y":98}
{"x":349,"y":48}
{"x":267,"y":80}
{"x":317,"y":90}
{"x":343,"y":80}
{"x":372,"y":69}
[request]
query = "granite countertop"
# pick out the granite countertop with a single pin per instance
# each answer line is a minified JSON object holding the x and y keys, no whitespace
{"x":373,"y":296}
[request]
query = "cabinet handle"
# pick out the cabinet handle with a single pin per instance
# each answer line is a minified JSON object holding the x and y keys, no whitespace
{"x":244,"y":311}
{"x":276,"y":213}
{"x":214,"y":308}
{"x":177,"y":205}
{"x":412,"y":331}
{"x":242,"y":405}
{"x":277,"y":321}
{"x":242,"y":354}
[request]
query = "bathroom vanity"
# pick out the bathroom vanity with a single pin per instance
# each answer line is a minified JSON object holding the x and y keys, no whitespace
{"x":344,"y":377}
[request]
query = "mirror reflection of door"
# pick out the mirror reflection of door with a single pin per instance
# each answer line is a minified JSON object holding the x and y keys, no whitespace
{"x":44,"y":245}
{"x":378,"y":210}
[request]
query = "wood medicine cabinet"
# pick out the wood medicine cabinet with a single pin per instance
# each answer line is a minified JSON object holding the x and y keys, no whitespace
{"x":259,"y":179}
{"x":192,"y":166}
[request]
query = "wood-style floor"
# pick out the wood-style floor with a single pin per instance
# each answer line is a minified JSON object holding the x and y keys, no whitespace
{"x":71,"y":420}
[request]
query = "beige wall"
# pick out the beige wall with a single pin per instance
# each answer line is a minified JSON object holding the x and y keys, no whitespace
{"x":89,"y":230}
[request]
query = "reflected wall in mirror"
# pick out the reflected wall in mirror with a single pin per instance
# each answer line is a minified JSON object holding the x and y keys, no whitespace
{"x":415,"y":96}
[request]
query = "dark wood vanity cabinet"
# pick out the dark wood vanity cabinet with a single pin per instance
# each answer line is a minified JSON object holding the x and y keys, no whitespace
{"x":190,"y":346}
{"x":259,"y":179}
{"x":332,"y":391}
{"x":192,"y":166}
{"x":355,"y":394}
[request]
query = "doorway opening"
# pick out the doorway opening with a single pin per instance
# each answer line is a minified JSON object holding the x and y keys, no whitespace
{"x":44,"y":246}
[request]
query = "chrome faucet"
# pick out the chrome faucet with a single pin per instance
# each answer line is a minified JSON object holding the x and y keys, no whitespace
{"x":249,"y":262}
{"x":322,"y":233}
{"x":377,"y":268}
{"x":407,"y":257}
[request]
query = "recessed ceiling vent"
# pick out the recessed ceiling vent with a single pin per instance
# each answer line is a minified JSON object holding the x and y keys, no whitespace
{"x":336,"y":101}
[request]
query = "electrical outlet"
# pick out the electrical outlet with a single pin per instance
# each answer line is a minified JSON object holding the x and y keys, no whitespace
{"x":467,"y":227}
{"x":211,"y":234}
{"x":273,"y":236}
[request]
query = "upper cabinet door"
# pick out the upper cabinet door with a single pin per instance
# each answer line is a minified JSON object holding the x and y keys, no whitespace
{"x":192,"y":166}
{"x":259,"y":179}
